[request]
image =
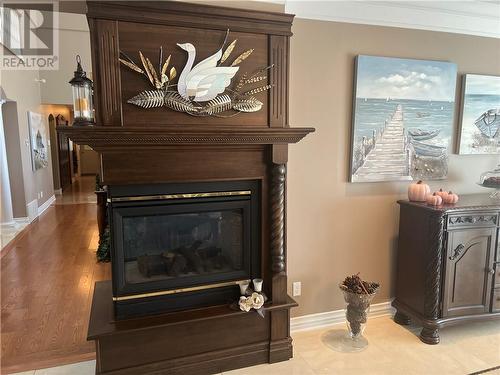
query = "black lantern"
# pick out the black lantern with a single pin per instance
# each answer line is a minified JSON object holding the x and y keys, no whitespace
{"x":82,"y":96}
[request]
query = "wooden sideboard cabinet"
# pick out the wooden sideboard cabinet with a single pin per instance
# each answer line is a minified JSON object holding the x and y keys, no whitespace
{"x":448,"y":264}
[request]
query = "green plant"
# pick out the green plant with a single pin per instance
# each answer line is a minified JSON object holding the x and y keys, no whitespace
{"x":103,"y":250}
{"x":98,"y":185}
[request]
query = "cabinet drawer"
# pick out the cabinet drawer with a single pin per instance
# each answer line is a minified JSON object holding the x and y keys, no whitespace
{"x":475,"y":220}
{"x":495,"y":303}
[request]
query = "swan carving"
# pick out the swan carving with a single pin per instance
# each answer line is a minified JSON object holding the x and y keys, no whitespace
{"x":201,"y":89}
{"x":206,"y":80}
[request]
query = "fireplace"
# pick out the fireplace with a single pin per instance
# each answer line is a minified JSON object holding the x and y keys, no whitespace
{"x":177,"y":246}
{"x":197,"y":197}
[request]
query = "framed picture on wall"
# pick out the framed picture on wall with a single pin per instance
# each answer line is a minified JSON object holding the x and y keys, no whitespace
{"x":402,"y":119}
{"x":480,"y":115}
{"x":38,"y":140}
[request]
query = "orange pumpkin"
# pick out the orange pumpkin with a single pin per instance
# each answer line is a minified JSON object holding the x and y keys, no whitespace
{"x":451,"y":198}
{"x":418,"y":192}
{"x":441,"y":193}
{"x":434,"y":200}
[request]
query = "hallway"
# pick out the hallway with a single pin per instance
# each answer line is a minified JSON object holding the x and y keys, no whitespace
{"x":80,"y":191}
{"x":47,"y":281}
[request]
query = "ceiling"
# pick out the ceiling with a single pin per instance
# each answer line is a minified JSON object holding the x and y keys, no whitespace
{"x":464,"y":17}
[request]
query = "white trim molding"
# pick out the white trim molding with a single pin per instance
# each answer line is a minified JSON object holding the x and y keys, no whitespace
{"x":473,"y":17}
{"x":325,"y":319}
{"x":46,"y":205}
{"x":32,"y":210}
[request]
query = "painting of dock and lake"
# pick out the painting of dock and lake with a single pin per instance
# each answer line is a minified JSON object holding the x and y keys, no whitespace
{"x":402,"y":119}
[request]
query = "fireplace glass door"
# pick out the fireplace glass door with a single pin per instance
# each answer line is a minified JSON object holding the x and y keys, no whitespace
{"x":169,"y":246}
{"x":165,"y":245}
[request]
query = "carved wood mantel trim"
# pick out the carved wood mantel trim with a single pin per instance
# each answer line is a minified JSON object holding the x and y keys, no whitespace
{"x":102,"y":138}
{"x":192,"y":15}
{"x":106,"y":70}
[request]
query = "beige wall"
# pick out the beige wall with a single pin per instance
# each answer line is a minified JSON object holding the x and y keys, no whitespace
{"x":74,"y":39}
{"x":336,"y":228}
{"x":14,"y":155}
{"x":21,"y":86}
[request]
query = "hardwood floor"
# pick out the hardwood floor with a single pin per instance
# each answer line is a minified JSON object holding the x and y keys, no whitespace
{"x":47,"y":282}
{"x":80,"y":191}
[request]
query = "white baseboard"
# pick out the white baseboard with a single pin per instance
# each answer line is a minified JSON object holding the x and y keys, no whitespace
{"x":325,"y":319}
{"x":8,"y":225}
{"x":58,"y":191}
{"x":46,"y":205}
{"x":22,"y":220}
{"x":32,"y":210}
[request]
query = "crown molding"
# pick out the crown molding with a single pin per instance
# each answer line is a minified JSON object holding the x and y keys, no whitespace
{"x":479,"y":18}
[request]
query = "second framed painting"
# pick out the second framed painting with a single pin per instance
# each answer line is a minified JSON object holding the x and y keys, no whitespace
{"x":480,"y":115}
{"x":402,"y":119}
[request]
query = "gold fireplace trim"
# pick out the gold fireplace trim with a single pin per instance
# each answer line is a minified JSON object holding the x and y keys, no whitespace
{"x":181,"y":290}
{"x":181,"y":196}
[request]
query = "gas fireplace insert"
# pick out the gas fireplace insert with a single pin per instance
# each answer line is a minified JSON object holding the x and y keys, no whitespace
{"x":177,"y":246}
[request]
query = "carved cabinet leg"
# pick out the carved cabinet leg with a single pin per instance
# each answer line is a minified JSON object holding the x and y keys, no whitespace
{"x":402,"y":319}
{"x":430,"y":335}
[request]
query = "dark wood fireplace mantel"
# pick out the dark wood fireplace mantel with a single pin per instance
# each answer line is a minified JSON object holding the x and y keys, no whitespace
{"x":161,"y":147}
{"x":102,"y":138}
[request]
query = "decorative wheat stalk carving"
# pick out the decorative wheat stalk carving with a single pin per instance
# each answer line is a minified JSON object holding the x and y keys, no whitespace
{"x":148,"y":99}
{"x":228,"y":51}
{"x":256,"y":90}
{"x":221,"y":103}
{"x":176,"y":102}
{"x":247,"y":105}
{"x":242,"y":57}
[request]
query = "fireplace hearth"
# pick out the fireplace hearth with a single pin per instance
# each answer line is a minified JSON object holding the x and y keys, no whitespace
{"x":177,"y":246}
{"x":196,"y":204}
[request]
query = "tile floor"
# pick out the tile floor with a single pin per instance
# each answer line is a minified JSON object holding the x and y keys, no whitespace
{"x":8,"y":233}
{"x":393,"y":349}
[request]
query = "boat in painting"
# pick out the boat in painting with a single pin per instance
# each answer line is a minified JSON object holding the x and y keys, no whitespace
{"x":489,"y":123}
{"x":425,"y":149}
{"x":423,"y":135}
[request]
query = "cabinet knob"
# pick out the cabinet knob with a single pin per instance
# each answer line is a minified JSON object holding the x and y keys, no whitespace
{"x":491,"y":271}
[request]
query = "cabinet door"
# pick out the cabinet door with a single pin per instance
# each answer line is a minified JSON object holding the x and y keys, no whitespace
{"x":468,"y":270}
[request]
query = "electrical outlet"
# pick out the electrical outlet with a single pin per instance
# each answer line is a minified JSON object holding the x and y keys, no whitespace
{"x":297,"y":288}
{"x":41,"y":194}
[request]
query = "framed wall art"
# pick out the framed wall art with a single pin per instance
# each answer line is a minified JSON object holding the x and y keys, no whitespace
{"x":480,"y":115}
{"x":38,"y":140}
{"x":402,"y":119}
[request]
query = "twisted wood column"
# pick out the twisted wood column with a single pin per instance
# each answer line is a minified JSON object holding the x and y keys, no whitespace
{"x":278,"y":219}
{"x":434,"y":260}
{"x":433,"y":267}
